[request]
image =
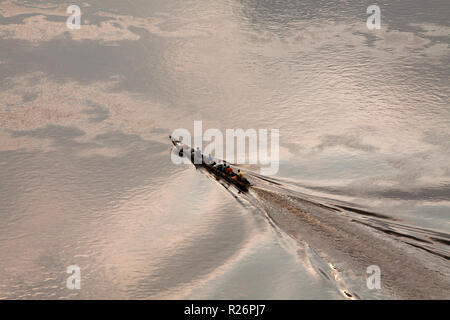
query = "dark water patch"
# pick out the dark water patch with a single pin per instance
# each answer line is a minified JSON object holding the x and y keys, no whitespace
{"x":349,"y":141}
{"x":321,"y":205}
{"x":61,"y":135}
{"x":56,"y":18}
{"x":138,"y":67}
{"x":446,"y":257}
{"x":99,"y":113}
{"x":328,"y":207}
{"x":366,"y":213}
{"x":266,"y":179}
{"x":411,"y":228}
{"x":394,"y":233}
{"x":324,"y":273}
{"x":427,"y":193}
{"x":29,"y":96}
{"x":440,"y":240}
{"x":15,"y":19}
{"x":440,"y":193}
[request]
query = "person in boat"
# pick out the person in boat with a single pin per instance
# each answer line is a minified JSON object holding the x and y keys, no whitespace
{"x":183,"y":145}
{"x":198,"y":157}
{"x":210,"y":160}
{"x":229,"y":171}
{"x":178,"y":149}
{"x":218,"y":165}
{"x":242,"y":178}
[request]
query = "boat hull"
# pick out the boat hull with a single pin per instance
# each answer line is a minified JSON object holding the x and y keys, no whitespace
{"x":241,"y":185}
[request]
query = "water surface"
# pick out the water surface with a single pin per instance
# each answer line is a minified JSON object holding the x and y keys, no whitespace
{"x":85,"y":170}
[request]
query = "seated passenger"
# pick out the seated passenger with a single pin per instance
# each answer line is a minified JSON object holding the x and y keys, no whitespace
{"x":177,"y":148}
{"x":198,"y":157}
{"x":224,"y":166}
{"x":210,"y":160}
{"x":240,"y":174}
{"x":229,"y":170}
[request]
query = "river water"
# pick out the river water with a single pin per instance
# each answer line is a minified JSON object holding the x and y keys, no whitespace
{"x":85,"y":172}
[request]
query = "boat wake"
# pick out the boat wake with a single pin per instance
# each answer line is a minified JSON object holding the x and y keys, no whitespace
{"x":345,"y":241}
{"x":414,"y":262}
